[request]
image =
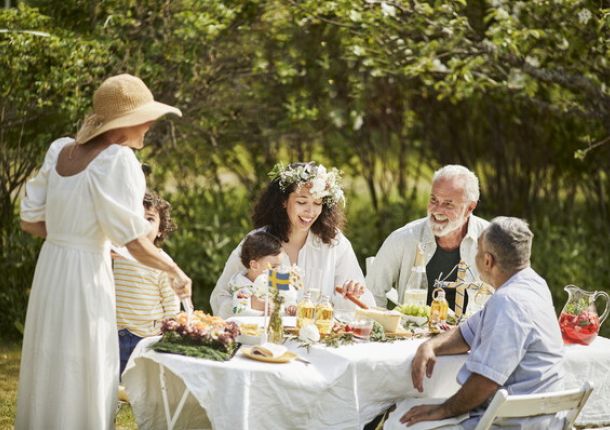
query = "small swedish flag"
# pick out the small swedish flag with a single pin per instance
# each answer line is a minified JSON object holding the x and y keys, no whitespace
{"x":279,"y":280}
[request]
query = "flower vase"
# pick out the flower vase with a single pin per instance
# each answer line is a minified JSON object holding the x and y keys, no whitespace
{"x":275,"y":331}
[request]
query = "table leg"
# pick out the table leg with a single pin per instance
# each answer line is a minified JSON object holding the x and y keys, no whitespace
{"x":170,"y":420}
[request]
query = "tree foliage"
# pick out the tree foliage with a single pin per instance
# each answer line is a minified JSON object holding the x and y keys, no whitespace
{"x":385,"y":90}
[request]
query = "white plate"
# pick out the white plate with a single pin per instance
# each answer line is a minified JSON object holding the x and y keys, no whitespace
{"x":249,"y":340}
{"x":416,"y":320}
{"x":286,"y":321}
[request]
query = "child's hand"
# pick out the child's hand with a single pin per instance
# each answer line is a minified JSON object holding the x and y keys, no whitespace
{"x":291,"y":310}
{"x":259,"y":304}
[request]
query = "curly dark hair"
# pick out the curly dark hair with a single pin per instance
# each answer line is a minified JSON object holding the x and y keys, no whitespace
{"x":163,"y":208}
{"x":269,"y":211}
{"x":257,"y":245}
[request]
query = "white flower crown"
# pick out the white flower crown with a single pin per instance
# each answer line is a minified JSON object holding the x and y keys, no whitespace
{"x":322,"y":184}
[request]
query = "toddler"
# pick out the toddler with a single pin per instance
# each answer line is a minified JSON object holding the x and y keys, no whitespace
{"x":259,"y":252}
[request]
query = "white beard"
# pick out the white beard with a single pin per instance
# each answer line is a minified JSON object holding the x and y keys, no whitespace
{"x":441,"y":230}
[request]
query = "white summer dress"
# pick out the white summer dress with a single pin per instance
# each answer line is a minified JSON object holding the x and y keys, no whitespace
{"x":70,"y":358}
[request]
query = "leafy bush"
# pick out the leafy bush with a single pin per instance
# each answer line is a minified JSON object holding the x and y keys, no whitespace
{"x":210,"y":224}
{"x":18,"y":256}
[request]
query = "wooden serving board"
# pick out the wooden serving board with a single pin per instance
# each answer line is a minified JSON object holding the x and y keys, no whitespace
{"x":401,"y":332}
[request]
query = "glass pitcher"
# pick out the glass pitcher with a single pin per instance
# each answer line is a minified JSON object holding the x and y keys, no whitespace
{"x":579,"y":320}
{"x":478,"y":294}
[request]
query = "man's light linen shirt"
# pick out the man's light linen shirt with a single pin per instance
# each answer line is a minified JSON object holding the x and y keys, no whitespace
{"x":394,"y":260}
{"x":516,"y":342}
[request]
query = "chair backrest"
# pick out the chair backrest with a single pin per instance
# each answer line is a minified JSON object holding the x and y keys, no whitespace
{"x":368,"y":262}
{"x":530,"y":405}
{"x":392,"y":294}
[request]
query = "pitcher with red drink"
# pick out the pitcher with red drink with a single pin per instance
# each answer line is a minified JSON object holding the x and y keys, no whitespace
{"x":579,"y":320}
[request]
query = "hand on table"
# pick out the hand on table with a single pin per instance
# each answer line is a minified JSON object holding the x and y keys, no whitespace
{"x":424,"y":413}
{"x":423,"y":362}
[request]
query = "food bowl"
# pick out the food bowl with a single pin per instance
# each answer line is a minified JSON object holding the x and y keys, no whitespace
{"x":251,"y":334}
{"x":361,"y":328}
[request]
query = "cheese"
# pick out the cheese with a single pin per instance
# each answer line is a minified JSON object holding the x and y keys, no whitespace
{"x":390,"y":320}
{"x":269,"y":350}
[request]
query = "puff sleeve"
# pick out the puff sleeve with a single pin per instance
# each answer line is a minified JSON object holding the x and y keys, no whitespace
{"x":117,"y":187}
{"x":33,"y":205}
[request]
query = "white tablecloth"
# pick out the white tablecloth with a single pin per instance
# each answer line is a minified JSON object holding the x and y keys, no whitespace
{"x":344,"y":388}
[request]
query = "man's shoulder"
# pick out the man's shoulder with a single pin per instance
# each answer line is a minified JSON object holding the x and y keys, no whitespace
{"x":524,"y":291}
{"x":478,"y":223}
{"x":411,"y":229}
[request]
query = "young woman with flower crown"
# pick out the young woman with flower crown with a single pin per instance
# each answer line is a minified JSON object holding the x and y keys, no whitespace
{"x":302,"y":207}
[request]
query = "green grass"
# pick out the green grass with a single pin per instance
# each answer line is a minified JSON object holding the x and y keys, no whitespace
{"x":10,"y":356}
{"x":9,"y":374}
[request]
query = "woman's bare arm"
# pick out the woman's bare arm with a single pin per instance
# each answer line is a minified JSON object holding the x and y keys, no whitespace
{"x":143,"y":250}
{"x":36,"y":229}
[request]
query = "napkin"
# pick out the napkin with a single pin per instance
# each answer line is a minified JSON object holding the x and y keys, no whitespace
{"x":393,"y":421}
{"x":270,"y":350}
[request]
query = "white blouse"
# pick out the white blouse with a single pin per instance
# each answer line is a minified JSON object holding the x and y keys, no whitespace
{"x":323,"y":265}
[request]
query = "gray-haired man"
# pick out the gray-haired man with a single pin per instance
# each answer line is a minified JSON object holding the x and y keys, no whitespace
{"x":449,"y":233}
{"x":515,"y":341}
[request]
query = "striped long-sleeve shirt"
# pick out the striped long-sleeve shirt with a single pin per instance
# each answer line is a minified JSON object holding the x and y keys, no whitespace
{"x":143,"y":297}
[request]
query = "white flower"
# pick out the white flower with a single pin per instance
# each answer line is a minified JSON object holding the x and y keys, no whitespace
{"x":309,"y":333}
{"x":318,"y":187}
{"x":532,"y":61}
{"x":358,"y":121}
{"x":387,"y":10}
{"x":438,"y":66}
{"x":516,"y":79}
{"x":502,"y":14}
{"x":517,"y":7}
{"x":564,"y":44}
{"x":338,"y":195}
{"x":584,"y":16}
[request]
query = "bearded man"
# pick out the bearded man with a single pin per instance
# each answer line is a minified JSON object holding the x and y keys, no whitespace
{"x":448,"y":234}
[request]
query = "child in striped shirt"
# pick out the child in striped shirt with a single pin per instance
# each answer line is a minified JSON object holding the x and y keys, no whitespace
{"x":143,"y":295}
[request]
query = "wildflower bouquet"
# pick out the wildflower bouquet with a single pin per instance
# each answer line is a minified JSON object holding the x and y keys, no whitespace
{"x":204,"y":336}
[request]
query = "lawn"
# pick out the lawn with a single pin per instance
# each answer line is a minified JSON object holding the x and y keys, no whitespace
{"x":10,"y":355}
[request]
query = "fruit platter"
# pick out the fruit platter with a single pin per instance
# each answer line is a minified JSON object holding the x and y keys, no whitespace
{"x":416,"y":314}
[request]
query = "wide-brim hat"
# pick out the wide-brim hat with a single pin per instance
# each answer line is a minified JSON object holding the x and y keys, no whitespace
{"x":121,"y":101}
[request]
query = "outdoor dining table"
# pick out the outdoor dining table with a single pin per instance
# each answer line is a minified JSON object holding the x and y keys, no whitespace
{"x":342,"y":388}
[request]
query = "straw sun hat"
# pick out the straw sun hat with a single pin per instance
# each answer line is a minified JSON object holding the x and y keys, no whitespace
{"x":121,"y":101}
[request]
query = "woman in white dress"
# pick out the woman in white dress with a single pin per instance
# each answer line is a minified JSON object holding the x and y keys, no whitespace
{"x":302,"y":207}
{"x":87,"y":194}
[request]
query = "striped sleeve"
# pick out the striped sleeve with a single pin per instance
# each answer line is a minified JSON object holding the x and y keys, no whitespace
{"x":169,"y":301}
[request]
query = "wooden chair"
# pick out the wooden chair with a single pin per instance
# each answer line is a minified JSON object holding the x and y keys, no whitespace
{"x":529,"y":405}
